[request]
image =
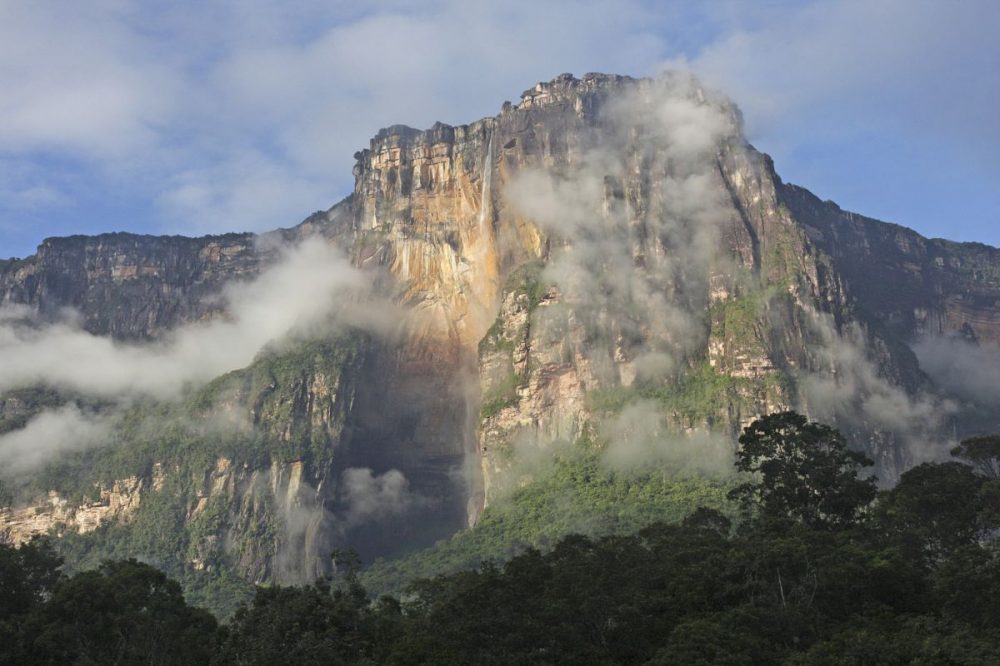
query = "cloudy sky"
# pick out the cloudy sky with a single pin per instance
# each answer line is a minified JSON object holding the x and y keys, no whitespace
{"x":213,"y":115}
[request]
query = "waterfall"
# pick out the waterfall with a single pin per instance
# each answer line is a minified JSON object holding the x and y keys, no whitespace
{"x":486,"y":197}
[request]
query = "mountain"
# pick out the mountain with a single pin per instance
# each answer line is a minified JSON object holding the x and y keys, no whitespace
{"x":605,"y":266}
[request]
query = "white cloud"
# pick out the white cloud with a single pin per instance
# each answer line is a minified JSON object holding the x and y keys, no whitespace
{"x":78,"y":78}
{"x":247,"y":192}
{"x":969,"y":371}
{"x":652,"y":276}
{"x":843,"y":68}
{"x":215,"y":115}
{"x":246,"y":117}
{"x":50,"y":434}
{"x":303,"y":290}
{"x":370,"y":497}
{"x":311,"y":288}
{"x":639,"y":439}
{"x":847,"y":385}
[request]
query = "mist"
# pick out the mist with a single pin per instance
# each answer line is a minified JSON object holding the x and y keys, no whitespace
{"x":310,"y":290}
{"x":302,"y":291}
{"x":966,"y":370}
{"x":638,"y":277}
{"x":50,"y":434}
{"x":637,"y":266}
{"x":640,"y":439}
{"x":370,"y":497}
{"x":849,"y":386}
{"x":634,"y":218}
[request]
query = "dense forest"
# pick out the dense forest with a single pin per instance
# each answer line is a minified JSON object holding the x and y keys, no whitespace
{"x":817,"y":567}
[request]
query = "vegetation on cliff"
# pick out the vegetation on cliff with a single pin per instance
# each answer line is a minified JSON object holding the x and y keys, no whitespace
{"x":212,"y":476}
{"x":818,"y":569}
{"x":577,"y":494}
{"x":202,"y":515}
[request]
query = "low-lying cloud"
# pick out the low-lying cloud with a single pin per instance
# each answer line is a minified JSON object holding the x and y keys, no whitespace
{"x":643,"y":271}
{"x":849,"y":386}
{"x":311,"y":289}
{"x":49,"y":434}
{"x":636,"y":222}
{"x":969,"y":371}
{"x":640,"y":439}
{"x":300,"y":292}
{"x":370,"y":497}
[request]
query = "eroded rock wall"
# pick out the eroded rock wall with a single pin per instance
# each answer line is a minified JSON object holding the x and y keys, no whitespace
{"x":604,"y":242}
{"x":130,"y":286}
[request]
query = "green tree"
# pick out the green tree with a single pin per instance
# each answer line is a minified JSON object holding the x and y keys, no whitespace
{"x":122,"y":613}
{"x":804,"y":473}
{"x":28,"y":575}
{"x":983,"y":453}
{"x":307,"y":625}
{"x":730,"y":638}
{"x":935,"y":508}
{"x":967,"y":586}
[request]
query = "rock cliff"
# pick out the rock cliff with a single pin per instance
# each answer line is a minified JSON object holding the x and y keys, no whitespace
{"x":606,"y":249}
{"x":129,"y":286}
{"x":913,"y":285}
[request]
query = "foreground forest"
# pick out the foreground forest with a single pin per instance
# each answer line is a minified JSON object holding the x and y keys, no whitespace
{"x":819,"y":567}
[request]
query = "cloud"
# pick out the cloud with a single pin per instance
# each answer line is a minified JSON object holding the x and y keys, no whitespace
{"x":310,"y":530}
{"x":245,"y":191}
{"x":192,"y":112}
{"x":639,"y":440}
{"x":968,"y":371}
{"x":370,"y":497}
{"x":883,"y":106}
{"x":307,"y":286}
{"x":318,"y":100}
{"x":310,"y":289}
{"x":786,"y":60}
{"x":637,"y":275}
{"x":633,"y":219}
{"x":227,"y":118}
{"x":173,"y":116}
{"x":51,"y":434}
{"x":89,"y":86}
{"x":846,"y":386}
{"x":638,"y":278}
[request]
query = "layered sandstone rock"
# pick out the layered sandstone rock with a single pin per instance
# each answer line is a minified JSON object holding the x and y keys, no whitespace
{"x":603,"y":242}
{"x":58,"y":515}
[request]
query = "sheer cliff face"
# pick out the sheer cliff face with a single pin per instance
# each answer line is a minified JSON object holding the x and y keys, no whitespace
{"x":636,"y":249}
{"x":606,"y":242}
{"x":913,"y":285}
{"x":608,"y":251}
{"x":130,"y":286}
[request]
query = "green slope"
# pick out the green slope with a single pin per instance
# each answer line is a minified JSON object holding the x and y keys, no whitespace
{"x":577,"y":494}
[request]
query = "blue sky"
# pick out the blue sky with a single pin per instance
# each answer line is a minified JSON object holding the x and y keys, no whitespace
{"x":212,"y":116}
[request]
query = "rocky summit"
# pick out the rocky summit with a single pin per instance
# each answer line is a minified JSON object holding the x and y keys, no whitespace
{"x":605,"y":264}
